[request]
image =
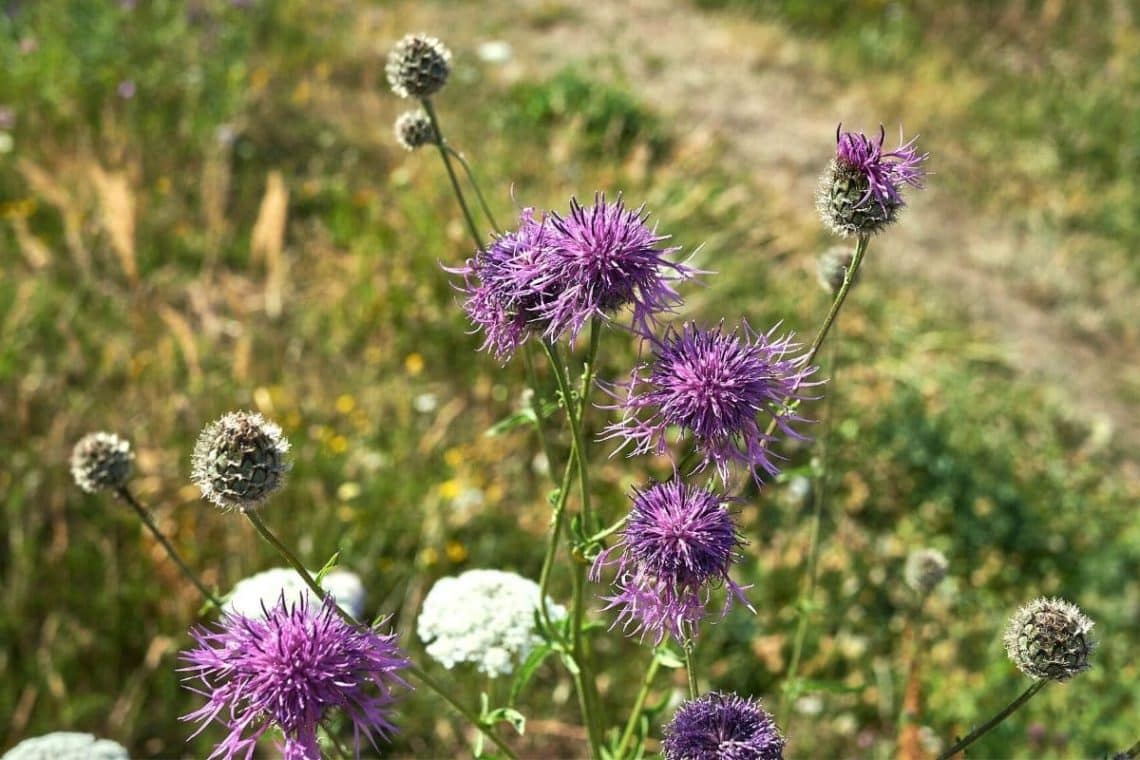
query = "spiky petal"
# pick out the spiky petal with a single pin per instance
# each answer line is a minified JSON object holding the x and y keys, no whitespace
{"x":602,"y":258}
{"x":676,"y":547}
{"x":722,"y":726}
{"x":288,"y":671}
{"x":860,"y":193}
{"x":714,"y":385}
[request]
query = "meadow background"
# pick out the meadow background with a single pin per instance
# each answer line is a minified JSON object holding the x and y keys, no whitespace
{"x":202,"y":208}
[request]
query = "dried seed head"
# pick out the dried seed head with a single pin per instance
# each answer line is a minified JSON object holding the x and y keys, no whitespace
{"x":239,"y":461}
{"x":418,"y":66}
{"x":1050,"y":639}
{"x":925,"y":569}
{"x":832,"y":266}
{"x":101,"y":460}
{"x":413,"y":129}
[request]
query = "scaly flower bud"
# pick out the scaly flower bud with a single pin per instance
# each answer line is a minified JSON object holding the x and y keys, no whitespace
{"x":418,"y":66}
{"x":101,"y":460}
{"x":239,"y":461}
{"x":1049,"y":639}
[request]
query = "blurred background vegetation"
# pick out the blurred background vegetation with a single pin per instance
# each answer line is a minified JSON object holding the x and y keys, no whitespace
{"x":202,"y":208}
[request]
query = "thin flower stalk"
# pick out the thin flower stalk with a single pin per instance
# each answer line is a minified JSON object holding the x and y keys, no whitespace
{"x":833,"y":312}
{"x":125,"y":494}
{"x":993,"y":722}
{"x":475,"y":185}
{"x":441,"y":144}
{"x":638,"y":704}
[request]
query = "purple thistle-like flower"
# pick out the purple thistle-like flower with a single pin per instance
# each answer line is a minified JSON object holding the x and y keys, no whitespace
{"x":719,"y":726}
{"x":713,"y":384}
{"x":601,"y":259}
{"x":676,"y":547}
{"x":553,"y":274}
{"x":287,"y":671}
{"x":504,"y":290}
{"x":861,"y":192}
{"x":886,"y":172}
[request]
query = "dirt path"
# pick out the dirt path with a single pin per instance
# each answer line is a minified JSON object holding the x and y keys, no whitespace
{"x":765,"y":96}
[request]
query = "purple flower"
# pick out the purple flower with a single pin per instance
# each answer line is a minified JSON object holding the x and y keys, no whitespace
{"x":504,"y":296}
{"x":676,"y":547}
{"x":720,"y":726}
{"x":287,"y":671}
{"x":861,"y":192}
{"x":713,"y":385}
{"x":554,"y":274}
{"x":601,"y":259}
{"x":126,"y":89}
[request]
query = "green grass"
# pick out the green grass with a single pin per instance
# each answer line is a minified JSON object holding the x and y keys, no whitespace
{"x":936,"y":441}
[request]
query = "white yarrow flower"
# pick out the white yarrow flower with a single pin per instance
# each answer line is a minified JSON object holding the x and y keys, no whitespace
{"x":264,"y":589}
{"x":485,"y":617}
{"x":67,"y":745}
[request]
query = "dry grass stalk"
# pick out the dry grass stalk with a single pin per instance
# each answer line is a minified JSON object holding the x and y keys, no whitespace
{"x":267,"y":242}
{"x":117,"y":209}
{"x":42,"y":183}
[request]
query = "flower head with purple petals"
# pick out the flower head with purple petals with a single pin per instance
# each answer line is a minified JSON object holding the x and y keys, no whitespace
{"x":505,"y":297}
{"x":719,"y":726}
{"x":676,"y":547}
{"x":861,"y":191}
{"x":287,"y":671}
{"x":554,"y":274}
{"x":713,"y":384}
{"x":602,"y":258}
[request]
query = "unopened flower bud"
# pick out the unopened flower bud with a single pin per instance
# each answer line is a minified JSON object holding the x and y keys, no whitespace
{"x":1050,"y":639}
{"x":101,"y":460}
{"x":239,"y":461}
{"x":832,"y":266}
{"x":418,"y":66}
{"x":414,"y":129}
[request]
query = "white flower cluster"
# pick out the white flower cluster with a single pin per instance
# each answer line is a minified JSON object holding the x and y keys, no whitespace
{"x":67,"y":745}
{"x":266,"y":588}
{"x":485,"y":617}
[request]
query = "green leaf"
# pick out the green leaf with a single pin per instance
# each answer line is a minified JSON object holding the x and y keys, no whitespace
{"x":329,"y":566}
{"x":527,"y":670}
{"x":519,"y":419}
{"x":572,"y":666}
{"x":669,"y":658}
{"x":508,"y":715}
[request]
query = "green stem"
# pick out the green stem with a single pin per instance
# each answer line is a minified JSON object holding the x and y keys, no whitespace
{"x":255,"y":519}
{"x":981,"y":730}
{"x":691,"y":670}
{"x":536,"y":408}
{"x":807,"y":586}
{"x":478,"y":193}
{"x":555,"y":535}
{"x":125,"y":494}
{"x":833,"y":312}
{"x":635,"y":716}
{"x":607,"y":532}
{"x":441,"y":143}
{"x":574,"y":417}
{"x":472,"y":718}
